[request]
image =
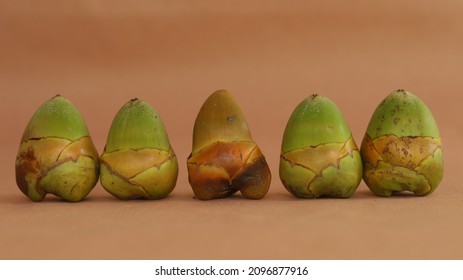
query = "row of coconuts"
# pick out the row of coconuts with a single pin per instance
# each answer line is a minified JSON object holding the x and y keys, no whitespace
{"x":401,"y":151}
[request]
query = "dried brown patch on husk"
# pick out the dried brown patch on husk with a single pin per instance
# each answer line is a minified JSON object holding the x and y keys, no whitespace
{"x":404,"y":151}
{"x":222,"y":168}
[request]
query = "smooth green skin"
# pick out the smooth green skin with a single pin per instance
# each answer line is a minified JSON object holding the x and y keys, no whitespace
{"x":316,"y":120}
{"x":402,"y":114}
{"x":153,"y":183}
{"x":137,"y":125}
{"x":56,"y":117}
{"x":72,"y":181}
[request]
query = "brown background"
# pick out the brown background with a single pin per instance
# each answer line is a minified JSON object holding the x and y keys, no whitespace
{"x":173,"y":54}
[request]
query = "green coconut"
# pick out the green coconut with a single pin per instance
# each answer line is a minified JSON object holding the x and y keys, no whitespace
{"x":56,"y":154}
{"x":138,"y":160}
{"x":402,"y":149}
{"x":319,"y":157}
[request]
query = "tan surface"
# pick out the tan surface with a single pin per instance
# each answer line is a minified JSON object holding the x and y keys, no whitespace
{"x":99,"y":54}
